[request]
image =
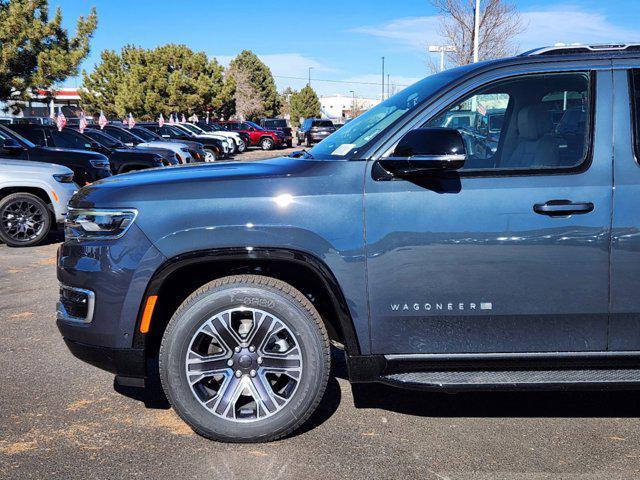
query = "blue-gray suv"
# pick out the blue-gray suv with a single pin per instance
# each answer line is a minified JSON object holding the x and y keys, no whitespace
{"x":478,"y":230}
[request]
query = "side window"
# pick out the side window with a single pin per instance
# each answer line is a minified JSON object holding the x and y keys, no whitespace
{"x":524,"y":123}
{"x":634,"y":80}
{"x":117,"y":134}
{"x":36,"y":135}
{"x":66,"y":139}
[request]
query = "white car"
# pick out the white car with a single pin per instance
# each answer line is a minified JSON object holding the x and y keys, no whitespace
{"x":228,"y":142}
{"x":215,"y":129}
{"x":33,"y":199}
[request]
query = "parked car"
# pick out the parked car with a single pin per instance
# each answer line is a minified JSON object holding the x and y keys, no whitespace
{"x":122,"y":159}
{"x":87,"y":167}
{"x":242,"y":139}
{"x":174,"y":153}
{"x":228,"y":144}
{"x":280,"y":125}
{"x":258,"y":136}
{"x":33,"y":200}
{"x":214,"y":149}
{"x":314,"y":130}
{"x":195,"y":149}
{"x":433,"y":269}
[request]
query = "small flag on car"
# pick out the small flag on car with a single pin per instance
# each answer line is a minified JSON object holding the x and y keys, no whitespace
{"x":132,"y":122}
{"x":183,"y":120}
{"x":61,"y":120}
{"x":83,"y":123}
{"x":102,"y":120}
{"x":161,"y":121}
{"x":171,"y":120}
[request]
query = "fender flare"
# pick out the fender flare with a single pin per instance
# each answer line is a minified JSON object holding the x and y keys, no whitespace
{"x":317,"y":266}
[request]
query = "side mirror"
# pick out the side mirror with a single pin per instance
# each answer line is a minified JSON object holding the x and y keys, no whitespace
{"x":10,"y":146}
{"x":426,"y":150}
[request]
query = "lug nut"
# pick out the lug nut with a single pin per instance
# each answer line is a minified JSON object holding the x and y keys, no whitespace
{"x":238,"y":373}
{"x":259,"y":360}
{"x":252,"y":373}
{"x":230,"y":362}
{"x":252,"y":348}
{"x":237,"y":349}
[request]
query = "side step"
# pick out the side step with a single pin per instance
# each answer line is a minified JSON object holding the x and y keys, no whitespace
{"x":515,"y":379}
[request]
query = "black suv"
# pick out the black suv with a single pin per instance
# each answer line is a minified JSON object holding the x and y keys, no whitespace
{"x":87,"y":166}
{"x":132,"y":140}
{"x":121,"y":158}
{"x":314,"y":130}
{"x":195,"y":150}
{"x":280,"y":125}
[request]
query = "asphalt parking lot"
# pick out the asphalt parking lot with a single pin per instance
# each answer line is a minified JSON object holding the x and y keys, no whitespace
{"x":61,"y":418}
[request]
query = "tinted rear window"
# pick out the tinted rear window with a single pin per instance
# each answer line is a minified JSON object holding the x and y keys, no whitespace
{"x":323,"y":123}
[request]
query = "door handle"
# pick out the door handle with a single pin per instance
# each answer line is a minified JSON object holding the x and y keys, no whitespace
{"x":562,"y":208}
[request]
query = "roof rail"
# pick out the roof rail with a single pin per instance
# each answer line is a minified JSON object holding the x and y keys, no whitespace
{"x":564,"y":48}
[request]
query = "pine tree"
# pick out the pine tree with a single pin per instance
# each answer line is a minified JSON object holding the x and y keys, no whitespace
{"x":304,"y":104}
{"x":149,"y":82}
{"x":253,"y":77}
{"x":35,"y":51}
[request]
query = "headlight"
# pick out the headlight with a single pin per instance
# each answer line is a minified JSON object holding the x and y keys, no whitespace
{"x":64,"y":177}
{"x":98,"y":224}
{"x":100,"y":163}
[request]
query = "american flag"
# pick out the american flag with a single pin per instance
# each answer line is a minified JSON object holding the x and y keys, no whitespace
{"x":61,"y":120}
{"x":132,"y":122}
{"x":171,"y":120}
{"x":161,"y":121}
{"x":83,"y":123}
{"x":102,"y":121}
{"x":183,"y":120}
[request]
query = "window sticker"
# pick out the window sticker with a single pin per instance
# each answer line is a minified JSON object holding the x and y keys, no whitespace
{"x":343,"y":149}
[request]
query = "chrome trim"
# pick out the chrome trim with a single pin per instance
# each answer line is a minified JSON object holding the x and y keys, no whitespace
{"x":61,"y":312}
{"x":611,"y":47}
{"x":432,"y":158}
{"x":509,"y":356}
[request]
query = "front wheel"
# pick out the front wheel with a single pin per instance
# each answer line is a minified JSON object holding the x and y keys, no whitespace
{"x":245,"y":359}
{"x":210,"y":155}
{"x":241,"y":146}
{"x":24,"y":220}
{"x":266,"y":143}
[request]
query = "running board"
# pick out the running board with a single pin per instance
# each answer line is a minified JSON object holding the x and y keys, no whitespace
{"x":515,"y":379}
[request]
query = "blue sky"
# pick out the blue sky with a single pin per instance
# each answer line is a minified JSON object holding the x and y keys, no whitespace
{"x":341,"y":40}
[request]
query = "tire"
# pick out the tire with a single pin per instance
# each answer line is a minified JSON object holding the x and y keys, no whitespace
{"x":25,"y":220}
{"x":241,"y":146}
{"x":289,"y":143}
{"x":210,"y":155}
{"x":285,"y":312}
{"x":307,"y":141}
{"x":267,"y":143}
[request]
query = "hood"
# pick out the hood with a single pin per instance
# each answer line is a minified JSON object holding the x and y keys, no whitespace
{"x":58,"y":153}
{"x":29,"y":166}
{"x":184,"y":181}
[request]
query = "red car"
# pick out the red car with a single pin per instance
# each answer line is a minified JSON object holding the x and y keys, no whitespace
{"x":265,"y":139}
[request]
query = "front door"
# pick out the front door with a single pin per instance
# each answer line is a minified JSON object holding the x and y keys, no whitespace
{"x":511,"y":254}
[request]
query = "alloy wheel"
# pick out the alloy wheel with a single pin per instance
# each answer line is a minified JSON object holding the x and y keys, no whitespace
{"x":243,"y":364}
{"x":22,"y":220}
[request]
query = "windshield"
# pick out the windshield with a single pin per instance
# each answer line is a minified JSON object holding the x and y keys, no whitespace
{"x":181,"y":130}
{"x":145,"y":134}
{"x":104,"y":139}
{"x":275,"y":123}
{"x":191,"y":128}
{"x":322,"y":123}
{"x":348,"y":140}
{"x":5,"y":134}
{"x":254,"y":125}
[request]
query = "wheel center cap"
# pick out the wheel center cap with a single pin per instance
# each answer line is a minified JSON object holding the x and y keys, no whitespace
{"x":245,"y":361}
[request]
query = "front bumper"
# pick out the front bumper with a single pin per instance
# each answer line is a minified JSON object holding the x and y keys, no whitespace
{"x":117,"y":272}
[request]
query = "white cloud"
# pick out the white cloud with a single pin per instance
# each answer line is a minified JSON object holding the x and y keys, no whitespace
{"x":565,"y":23}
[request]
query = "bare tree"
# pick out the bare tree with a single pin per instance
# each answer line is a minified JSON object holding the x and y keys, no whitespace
{"x":500,"y":22}
{"x":248,"y":104}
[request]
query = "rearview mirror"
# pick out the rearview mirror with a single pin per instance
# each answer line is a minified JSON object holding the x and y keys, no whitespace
{"x":427,"y":150}
{"x":10,"y":146}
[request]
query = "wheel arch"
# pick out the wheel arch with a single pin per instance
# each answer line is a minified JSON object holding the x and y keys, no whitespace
{"x":179,"y":276}
{"x":38,"y":191}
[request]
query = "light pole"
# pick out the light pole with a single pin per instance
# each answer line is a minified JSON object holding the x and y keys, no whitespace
{"x":441,"y":49}
{"x":353,"y":104}
{"x":476,"y":31}
{"x":382,"y":96}
{"x":309,"y":82}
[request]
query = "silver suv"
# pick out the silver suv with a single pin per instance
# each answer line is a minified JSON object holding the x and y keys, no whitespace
{"x":33,"y":199}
